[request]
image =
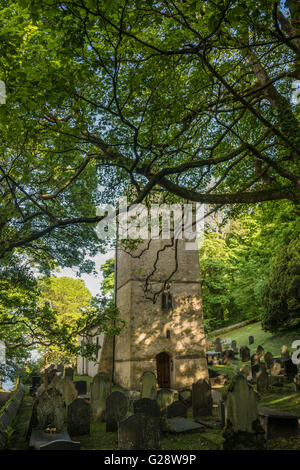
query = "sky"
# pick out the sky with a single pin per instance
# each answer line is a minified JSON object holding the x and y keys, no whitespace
{"x":92,"y":282}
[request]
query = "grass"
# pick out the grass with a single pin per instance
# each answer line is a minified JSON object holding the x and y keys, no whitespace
{"x":270,"y":342}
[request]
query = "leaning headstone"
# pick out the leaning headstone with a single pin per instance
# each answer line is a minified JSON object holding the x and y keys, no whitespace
{"x":218,"y":345}
{"x":49,"y":408}
{"x":139,"y":432}
{"x":245,"y":353}
{"x":100,"y":389}
{"x":201,"y":399}
{"x":251,"y":339}
{"x":165,"y":397}
{"x":69,"y":372}
{"x":146,"y":406}
{"x":268,"y":357}
{"x":285,"y":354}
{"x":79,"y":417}
{"x":177,"y":409}
{"x":260,"y":351}
{"x":242,"y":426}
{"x":262,"y":379}
{"x":149,"y":384}
{"x":115,"y":410}
{"x":255,"y":365}
{"x":185,"y":396}
{"x":81,"y":387}
{"x":68,"y":390}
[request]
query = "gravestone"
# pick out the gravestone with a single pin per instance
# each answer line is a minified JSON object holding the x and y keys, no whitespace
{"x":255,"y":365}
{"x":242,"y":426}
{"x":251,"y":339}
{"x":177,"y":409}
{"x":146,"y":406}
{"x":260,"y":351}
{"x":55,"y":382}
{"x":245,"y":370}
{"x":69,"y":372}
{"x":100,"y":389}
{"x":227,"y":356}
{"x":201,"y":399}
{"x":68,"y":390}
{"x":115,"y":410}
{"x":234,"y":346}
{"x":81,"y":387}
{"x":49,"y":408}
{"x":185,"y":396}
{"x":218,"y":345}
{"x":183,"y":425}
{"x":275,"y":369}
{"x":262,"y":379}
{"x":290,"y":369}
{"x":268,"y":357}
{"x":165,"y":397}
{"x":149,"y":384}
{"x":285,"y":354}
{"x":139,"y":432}
{"x":79,"y":417}
{"x":245,"y":353}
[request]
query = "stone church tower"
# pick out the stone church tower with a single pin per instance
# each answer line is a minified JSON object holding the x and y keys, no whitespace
{"x":159,"y":297}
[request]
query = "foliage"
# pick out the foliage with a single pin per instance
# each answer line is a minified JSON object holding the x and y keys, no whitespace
{"x":236,"y":261}
{"x":282,"y":293}
{"x":108,"y":273}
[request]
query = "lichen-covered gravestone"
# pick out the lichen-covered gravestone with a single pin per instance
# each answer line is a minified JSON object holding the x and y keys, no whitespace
{"x":79,"y":417}
{"x":149,"y":384}
{"x":49,"y":408}
{"x":115,"y":410}
{"x":242,"y":425}
{"x":201,"y":399}
{"x":146,"y":406}
{"x":245,"y":353}
{"x":165,"y":397}
{"x":67,"y":388}
{"x":262,"y":379}
{"x":100,"y":389}
{"x":139,"y":432}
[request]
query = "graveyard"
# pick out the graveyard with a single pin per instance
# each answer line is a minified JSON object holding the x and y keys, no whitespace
{"x":96,"y":414}
{"x":149,"y":226}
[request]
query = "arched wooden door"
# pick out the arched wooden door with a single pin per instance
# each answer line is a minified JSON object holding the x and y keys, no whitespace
{"x":163,"y":370}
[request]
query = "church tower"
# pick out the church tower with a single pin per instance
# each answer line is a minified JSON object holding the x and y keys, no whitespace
{"x":159,"y":296}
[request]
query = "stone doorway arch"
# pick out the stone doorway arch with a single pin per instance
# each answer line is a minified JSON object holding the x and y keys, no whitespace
{"x":163,"y":367}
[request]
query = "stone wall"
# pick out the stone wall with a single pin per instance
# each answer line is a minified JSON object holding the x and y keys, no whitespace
{"x":9,"y":411}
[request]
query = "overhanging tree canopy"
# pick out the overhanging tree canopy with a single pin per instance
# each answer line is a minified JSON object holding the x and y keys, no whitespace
{"x":190,"y":97}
